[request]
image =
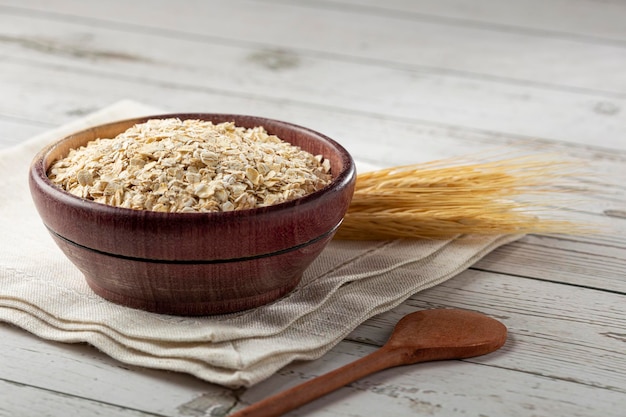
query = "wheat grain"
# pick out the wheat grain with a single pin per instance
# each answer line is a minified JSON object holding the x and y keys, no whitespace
{"x":442,"y":199}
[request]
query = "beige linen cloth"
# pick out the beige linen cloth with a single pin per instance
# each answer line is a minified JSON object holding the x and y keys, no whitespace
{"x":43,"y":293}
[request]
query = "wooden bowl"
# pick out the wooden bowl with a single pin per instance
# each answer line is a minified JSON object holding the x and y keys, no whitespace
{"x":194,"y":263}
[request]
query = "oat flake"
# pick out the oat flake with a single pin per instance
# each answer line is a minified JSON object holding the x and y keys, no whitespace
{"x":171,"y":165}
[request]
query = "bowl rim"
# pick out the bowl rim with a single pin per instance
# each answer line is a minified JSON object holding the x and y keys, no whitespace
{"x":38,"y":172}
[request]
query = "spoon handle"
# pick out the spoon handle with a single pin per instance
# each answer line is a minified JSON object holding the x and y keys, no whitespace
{"x":304,"y":393}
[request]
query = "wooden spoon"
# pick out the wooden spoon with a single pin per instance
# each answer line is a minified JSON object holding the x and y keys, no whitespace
{"x":423,"y":336}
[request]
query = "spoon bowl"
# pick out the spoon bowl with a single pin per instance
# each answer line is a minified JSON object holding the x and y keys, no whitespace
{"x":442,"y":334}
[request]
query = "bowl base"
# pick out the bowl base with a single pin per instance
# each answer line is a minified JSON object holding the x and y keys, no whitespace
{"x":196,"y":308}
{"x":191,"y":289}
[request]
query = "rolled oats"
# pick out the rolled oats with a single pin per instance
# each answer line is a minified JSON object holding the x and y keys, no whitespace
{"x":172,"y":165}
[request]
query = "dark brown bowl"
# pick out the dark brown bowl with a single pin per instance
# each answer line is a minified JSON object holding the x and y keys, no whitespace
{"x":194,"y":263}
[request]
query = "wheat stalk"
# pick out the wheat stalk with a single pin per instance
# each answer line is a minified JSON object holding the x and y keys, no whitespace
{"x":443,"y":199}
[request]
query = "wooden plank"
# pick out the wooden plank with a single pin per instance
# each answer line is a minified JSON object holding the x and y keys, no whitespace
{"x":550,"y":325}
{"x":558,"y":332}
{"x":80,"y":371}
{"x":14,"y":131}
{"x":451,"y":389}
{"x":23,"y":400}
{"x":582,"y":20}
{"x":422,"y":389}
{"x":563,"y":259}
{"x":519,"y":111}
{"x":61,"y":101}
{"x":467,"y":52}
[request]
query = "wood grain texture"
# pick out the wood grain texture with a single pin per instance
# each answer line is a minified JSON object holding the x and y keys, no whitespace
{"x":28,"y":400}
{"x":81,"y":371}
{"x":444,"y":389}
{"x":396,"y":83}
{"x":194,"y":263}
{"x":580,"y":20}
{"x":395,"y":92}
{"x":423,"y":336}
{"x":510,"y":57}
{"x":582,"y":332}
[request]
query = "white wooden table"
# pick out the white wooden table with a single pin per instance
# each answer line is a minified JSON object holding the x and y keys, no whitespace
{"x":395,"y":82}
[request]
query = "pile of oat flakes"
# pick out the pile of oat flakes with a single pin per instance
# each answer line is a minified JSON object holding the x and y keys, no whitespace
{"x":171,"y":165}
